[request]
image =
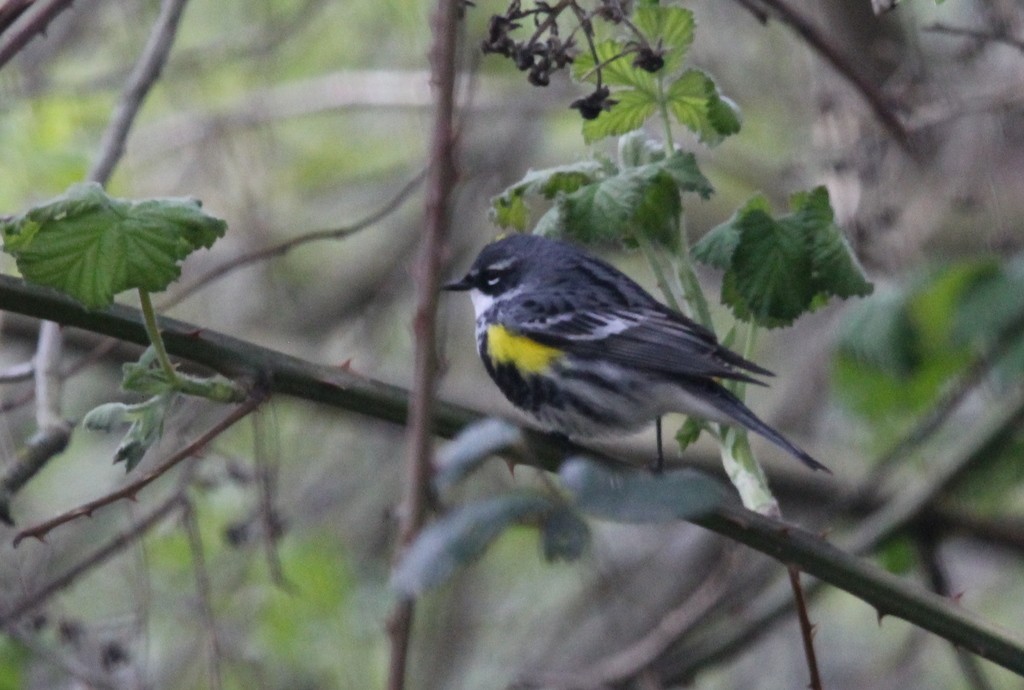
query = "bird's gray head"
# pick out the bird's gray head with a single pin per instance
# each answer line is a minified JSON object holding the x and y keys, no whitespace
{"x":505,"y":268}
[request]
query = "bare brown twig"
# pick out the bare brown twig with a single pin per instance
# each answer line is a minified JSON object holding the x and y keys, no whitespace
{"x":283,"y":248}
{"x":204,"y":591}
{"x":11,"y":10}
{"x":928,"y":546}
{"x":35,"y":24}
{"x":637,"y":657}
{"x":806,"y":628}
{"x":845,"y":67}
{"x":145,"y":73}
{"x":440,"y":182}
{"x":977,"y":34}
{"x":119,"y":542}
{"x":130,"y":491}
{"x":266,"y":479}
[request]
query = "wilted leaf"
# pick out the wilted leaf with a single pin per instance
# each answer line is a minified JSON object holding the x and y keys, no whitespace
{"x":633,"y":108}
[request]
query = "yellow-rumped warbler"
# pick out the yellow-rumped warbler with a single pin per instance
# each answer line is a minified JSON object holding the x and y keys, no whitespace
{"x":584,"y":349}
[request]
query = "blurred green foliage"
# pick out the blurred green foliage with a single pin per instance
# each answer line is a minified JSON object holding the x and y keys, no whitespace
{"x":900,"y":350}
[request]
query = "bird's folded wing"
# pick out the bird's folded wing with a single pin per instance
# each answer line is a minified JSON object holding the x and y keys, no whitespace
{"x":651,"y":340}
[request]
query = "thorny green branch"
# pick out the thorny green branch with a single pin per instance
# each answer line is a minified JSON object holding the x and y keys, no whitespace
{"x":342,"y":388}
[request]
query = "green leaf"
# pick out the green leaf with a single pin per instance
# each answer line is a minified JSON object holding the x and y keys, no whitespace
{"x":148,"y":378}
{"x":772,"y":269}
{"x":147,"y":425}
{"x":92,"y":246}
{"x":694,"y":101}
{"x":898,"y":556}
{"x":473,"y":445}
{"x":836,"y":270}
{"x":778,"y":268}
{"x":656,"y":216}
{"x":615,"y":70}
{"x":635,"y":202}
{"x":639,"y":497}
{"x":510,"y":211}
{"x":636,"y":149}
{"x":719,"y":244}
{"x":991,"y":312}
{"x":632,"y":110}
{"x":461,"y":537}
{"x":672,"y":27}
{"x":687,"y":175}
{"x":511,"y":208}
{"x":899,"y":350}
{"x":688,"y":433}
{"x":15,"y":662}
{"x":640,"y":201}
{"x":724,"y":117}
{"x":880,"y":334}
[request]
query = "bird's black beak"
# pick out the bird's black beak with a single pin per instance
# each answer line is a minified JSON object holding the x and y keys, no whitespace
{"x":458,"y":285}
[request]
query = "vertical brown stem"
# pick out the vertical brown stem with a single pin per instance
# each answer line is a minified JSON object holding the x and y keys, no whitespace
{"x":806,"y":628}
{"x":440,"y":182}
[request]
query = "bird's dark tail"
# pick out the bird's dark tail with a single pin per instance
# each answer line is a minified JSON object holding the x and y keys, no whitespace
{"x":734,"y":408}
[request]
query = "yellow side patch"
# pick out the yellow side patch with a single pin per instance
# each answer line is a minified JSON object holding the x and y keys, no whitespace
{"x":505,"y":347}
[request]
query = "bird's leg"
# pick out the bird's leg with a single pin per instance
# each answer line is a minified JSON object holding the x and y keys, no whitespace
{"x":658,"y":466}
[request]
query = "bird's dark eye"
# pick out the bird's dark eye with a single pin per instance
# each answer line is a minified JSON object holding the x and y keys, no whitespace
{"x":491,"y":278}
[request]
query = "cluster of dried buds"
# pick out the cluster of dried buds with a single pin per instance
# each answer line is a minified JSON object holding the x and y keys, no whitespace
{"x":538,"y":56}
{"x":545,"y":51}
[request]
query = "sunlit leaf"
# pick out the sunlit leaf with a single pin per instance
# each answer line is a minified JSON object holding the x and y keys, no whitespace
{"x":616,"y":67}
{"x":632,"y":110}
{"x":694,"y":101}
{"x":688,"y":433}
{"x":671,"y":28}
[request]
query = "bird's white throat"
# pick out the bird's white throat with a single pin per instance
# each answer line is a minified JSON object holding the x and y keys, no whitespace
{"x":481,"y":302}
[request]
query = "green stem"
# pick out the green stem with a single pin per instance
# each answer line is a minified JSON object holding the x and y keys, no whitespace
{"x":674,"y":300}
{"x":670,"y":146}
{"x":149,"y":317}
{"x":692,"y":292}
{"x":740,"y":389}
{"x":691,"y":286}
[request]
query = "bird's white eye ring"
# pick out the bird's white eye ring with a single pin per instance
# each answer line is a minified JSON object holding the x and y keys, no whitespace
{"x":491,"y":282}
